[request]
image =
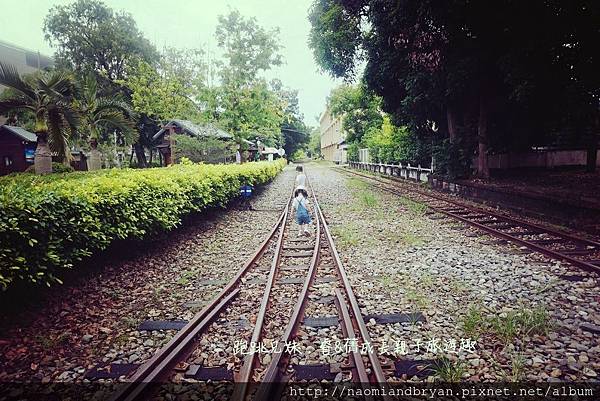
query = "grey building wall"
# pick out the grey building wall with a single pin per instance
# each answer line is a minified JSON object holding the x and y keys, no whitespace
{"x":25,"y":61}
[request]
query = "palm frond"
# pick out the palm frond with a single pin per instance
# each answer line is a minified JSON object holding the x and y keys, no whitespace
{"x":105,"y":103}
{"x":116,"y":119}
{"x":14,"y":103}
{"x":58,"y":133}
{"x":9,"y":76}
{"x":58,"y":84}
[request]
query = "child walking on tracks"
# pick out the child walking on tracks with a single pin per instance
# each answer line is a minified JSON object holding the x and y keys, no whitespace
{"x":300,"y":205}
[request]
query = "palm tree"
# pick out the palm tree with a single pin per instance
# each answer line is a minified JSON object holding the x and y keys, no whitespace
{"x":101,"y":113}
{"x":48,"y":96}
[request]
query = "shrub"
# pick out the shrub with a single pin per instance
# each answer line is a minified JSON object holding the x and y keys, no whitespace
{"x":47,"y":223}
{"x":56,"y":168}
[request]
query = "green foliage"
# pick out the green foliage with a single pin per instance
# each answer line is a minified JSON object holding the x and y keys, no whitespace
{"x":249,"y":48}
{"x":452,"y":69}
{"x":507,"y":326}
{"x":391,"y":144}
{"x":353,"y":149}
{"x":48,"y":95}
{"x":90,"y":36}
{"x":314,"y":144}
{"x":360,"y":108}
{"x":298,"y":155}
{"x":48,"y":223}
{"x":252,"y":111}
{"x":164,"y":97}
{"x":208,"y":150}
{"x":453,"y":159}
{"x":334,"y":37}
{"x":100,"y":116}
{"x":449,"y":371}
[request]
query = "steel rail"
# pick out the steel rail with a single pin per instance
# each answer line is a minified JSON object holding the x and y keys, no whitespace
{"x":571,"y":237}
{"x":359,"y":370}
{"x":271,"y":385}
{"x":269,"y":389}
{"x":376,"y":370}
{"x":555,"y":254}
{"x":157,"y":368}
{"x":242,"y":379}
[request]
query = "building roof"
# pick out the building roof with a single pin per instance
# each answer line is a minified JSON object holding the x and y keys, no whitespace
{"x":269,"y":150}
{"x":195,"y":130}
{"x":21,"y":133}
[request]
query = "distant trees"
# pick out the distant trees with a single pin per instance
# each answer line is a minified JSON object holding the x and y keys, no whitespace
{"x":178,"y":83}
{"x":507,"y":74}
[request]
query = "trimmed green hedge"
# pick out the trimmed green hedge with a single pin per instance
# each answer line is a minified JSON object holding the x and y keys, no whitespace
{"x":47,"y":223}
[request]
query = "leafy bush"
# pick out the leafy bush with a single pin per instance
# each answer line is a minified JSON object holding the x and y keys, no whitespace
{"x":453,"y":160}
{"x":353,"y":151}
{"x":47,"y":223}
{"x":391,"y":144}
{"x":208,"y":150}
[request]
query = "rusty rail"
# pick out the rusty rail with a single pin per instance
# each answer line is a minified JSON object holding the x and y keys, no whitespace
{"x":159,"y":367}
{"x":499,"y":218}
{"x":243,"y":377}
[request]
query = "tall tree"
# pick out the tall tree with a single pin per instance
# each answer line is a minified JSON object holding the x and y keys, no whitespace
{"x":48,"y":96}
{"x":294,"y":131}
{"x":90,"y":36}
{"x":249,"y":49}
{"x":469,"y":68}
{"x":360,"y":108}
{"x":249,"y":107}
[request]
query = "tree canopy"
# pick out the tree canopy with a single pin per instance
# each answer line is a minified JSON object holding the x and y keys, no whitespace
{"x":90,"y":36}
{"x":465,"y":68}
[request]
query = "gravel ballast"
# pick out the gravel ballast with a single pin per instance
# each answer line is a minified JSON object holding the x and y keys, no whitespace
{"x":523,"y":317}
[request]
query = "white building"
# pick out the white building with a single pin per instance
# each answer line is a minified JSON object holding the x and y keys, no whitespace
{"x":333,"y":137}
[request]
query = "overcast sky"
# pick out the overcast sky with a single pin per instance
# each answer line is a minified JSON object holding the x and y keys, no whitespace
{"x":191,"y":24}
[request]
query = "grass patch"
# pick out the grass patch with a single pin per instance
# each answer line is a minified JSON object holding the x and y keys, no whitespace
{"x":411,"y":239}
{"x":386,"y":280}
{"x":49,"y":342}
{"x":517,"y":368}
{"x":346,"y":235}
{"x":449,"y":371}
{"x":418,"y":299}
{"x":412,"y":206}
{"x":508,"y":326}
{"x":130,"y":322}
{"x":367,"y":199}
{"x":522,"y":322}
{"x":472,"y":322}
{"x":356,"y":184}
{"x":458,"y":287}
{"x":186,"y":277}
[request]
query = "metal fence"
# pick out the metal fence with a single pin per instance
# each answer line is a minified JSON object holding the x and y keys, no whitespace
{"x":406,"y":171}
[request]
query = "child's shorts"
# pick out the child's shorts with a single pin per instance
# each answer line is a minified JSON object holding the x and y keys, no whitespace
{"x":303,"y":218}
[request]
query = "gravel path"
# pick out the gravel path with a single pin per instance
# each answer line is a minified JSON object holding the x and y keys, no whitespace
{"x":492,"y":311}
{"x":96,"y":320}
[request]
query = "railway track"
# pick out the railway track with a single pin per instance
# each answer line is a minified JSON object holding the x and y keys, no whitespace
{"x":578,"y":251}
{"x":286,"y":279}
